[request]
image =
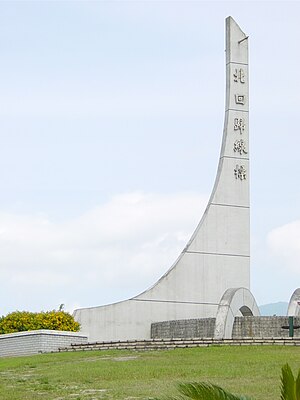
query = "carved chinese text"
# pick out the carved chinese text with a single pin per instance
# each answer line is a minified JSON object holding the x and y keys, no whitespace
{"x":240,"y":172}
{"x":239,"y":124}
{"x":240,"y":99}
{"x":239,"y":75}
{"x":239,"y":146}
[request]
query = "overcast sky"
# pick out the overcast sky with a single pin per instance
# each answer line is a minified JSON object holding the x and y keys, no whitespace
{"x":111,"y":118}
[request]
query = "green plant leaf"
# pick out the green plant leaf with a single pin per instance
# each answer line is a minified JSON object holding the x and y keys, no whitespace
{"x":288,"y":385}
{"x":297,"y":389}
{"x":207,"y":391}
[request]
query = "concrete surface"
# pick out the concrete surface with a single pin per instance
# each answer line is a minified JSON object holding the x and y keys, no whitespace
{"x":217,"y":257}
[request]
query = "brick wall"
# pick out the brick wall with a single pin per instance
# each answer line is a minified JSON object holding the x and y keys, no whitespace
{"x":34,"y":342}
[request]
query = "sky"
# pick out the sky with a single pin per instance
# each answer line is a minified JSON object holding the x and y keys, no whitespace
{"x":111,"y":119}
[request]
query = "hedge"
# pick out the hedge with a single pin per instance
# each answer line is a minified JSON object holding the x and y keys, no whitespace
{"x":19,"y":321}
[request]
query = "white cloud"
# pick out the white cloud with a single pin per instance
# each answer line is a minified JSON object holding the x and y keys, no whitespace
{"x":284,"y":243}
{"x":126,"y":243}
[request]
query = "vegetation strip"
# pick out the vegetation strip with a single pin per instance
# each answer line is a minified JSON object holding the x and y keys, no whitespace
{"x":251,"y":370}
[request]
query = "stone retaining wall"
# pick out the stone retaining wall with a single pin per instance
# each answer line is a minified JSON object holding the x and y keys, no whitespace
{"x":39,"y":341}
{"x":169,"y":344}
{"x":184,"y":328}
{"x":263,"y":327}
{"x":243,"y":327}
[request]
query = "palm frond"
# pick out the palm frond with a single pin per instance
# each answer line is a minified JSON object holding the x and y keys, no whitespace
{"x":297,"y":389}
{"x":207,"y":391}
{"x":288,"y":385}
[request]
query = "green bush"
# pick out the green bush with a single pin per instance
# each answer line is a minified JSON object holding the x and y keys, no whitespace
{"x":19,"y":321}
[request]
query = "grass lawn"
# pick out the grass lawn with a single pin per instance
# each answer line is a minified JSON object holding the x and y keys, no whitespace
{"x":249,"y":370}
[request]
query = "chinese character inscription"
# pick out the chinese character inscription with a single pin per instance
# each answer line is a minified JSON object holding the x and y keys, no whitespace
{"x":240,"y":172}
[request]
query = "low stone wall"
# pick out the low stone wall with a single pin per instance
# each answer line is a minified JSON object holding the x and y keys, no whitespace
{"x":263,"y":327}
{"x":184,"y":328}
{"x":40,"y":341}
{"x":168,"y":344}
{"x":258,"y":327}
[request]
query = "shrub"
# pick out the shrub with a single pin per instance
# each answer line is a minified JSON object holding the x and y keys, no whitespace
{"x":19,"y":321}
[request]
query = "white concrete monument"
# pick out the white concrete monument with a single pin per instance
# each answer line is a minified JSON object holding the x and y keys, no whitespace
{"x":211,"y":277}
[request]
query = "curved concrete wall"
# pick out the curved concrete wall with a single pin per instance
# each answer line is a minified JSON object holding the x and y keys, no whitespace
{"x":218,"y":255}
{"x":294,"y":304}
{"x":235,"y":301}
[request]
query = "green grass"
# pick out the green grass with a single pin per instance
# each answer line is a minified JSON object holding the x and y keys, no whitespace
{"x":253,"y":371}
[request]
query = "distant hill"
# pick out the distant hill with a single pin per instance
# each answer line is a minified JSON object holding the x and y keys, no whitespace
{"x":279,"y":309}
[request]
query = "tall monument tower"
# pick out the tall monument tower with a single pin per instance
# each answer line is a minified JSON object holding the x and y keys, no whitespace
{"x":211,"y":277}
